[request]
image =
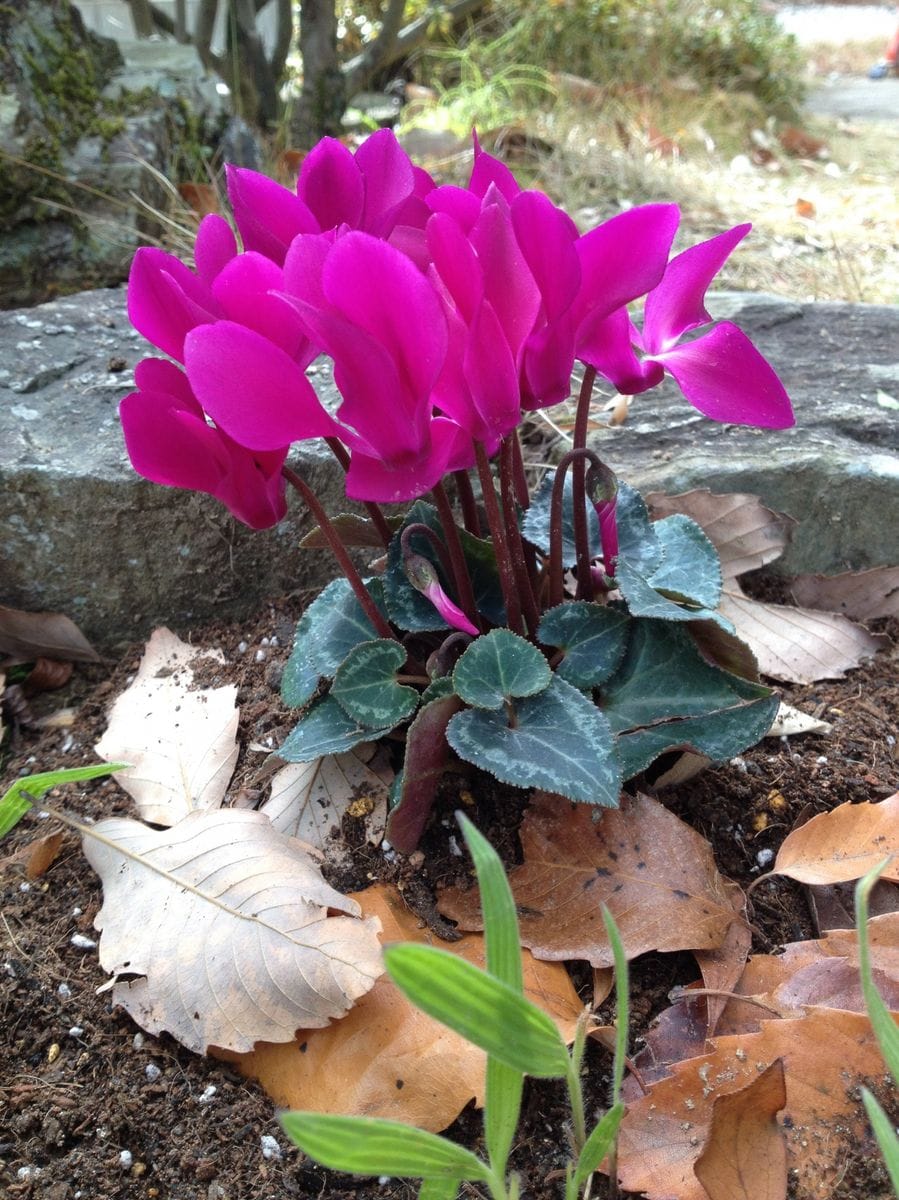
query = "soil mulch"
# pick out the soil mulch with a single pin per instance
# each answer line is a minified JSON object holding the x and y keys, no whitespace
{"x":90,"y":1107}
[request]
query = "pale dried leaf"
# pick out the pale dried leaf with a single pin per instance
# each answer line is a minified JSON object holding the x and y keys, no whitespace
{"x":387,"y":1058}
{"x":225,"y":923}
{"x":790,"y":721}
{"x":797,"y":644}
{"x":686,"y":766}
{"x":842,"y":844}
{"x":746,"y":534}
{"x":309,"y":800}
{"x":181,"y":740}
{"x":745,"y":1157}
{"x":861,"y":595}
{"x":827,"y":1053}
{"x":25,"y":636}
{"x":43,"y":853}
{"x":655,"y":874}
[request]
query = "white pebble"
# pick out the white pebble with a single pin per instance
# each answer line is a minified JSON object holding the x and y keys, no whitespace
{"x":42,"y":816}
{"x":76,"y":1031}
{"x":383,"y":1180}
{"x":821,"y":760}
{"x":454,"y":847}
{"x":126,"y":1158}
{"x":260,"y":656}
{"x":270,"y":1147}
{"x":24,"y":887}
{"x":138,"y":1041}
{"x":740,"y":764}
{"x":263,"y":641}
{"x":152,"y":1072}
{"x":64,"y":991}
{"x":80,"y":942}
{"x":76,"y":912}
{"x":273,"y":641}
{"x":26,"y":1174}
{"x":207,"y":1094}
{"x":764,"y":857}
{"x":242,"y":647}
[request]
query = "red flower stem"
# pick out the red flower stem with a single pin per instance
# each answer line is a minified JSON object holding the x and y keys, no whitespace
{"x":500,"y":547}
{"x":461,"y":576}
{"x":578,"y":487}
{"x":522,"y":491}
{"x":339,"y":451}
{"x":340,"y":553}
{"x":513,"y":534}
{"x":556,"y":568}
{"x":468,"y":503}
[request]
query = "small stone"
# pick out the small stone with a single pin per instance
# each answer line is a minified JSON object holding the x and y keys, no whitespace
{"x":139,"y":1168}
{"x":207,"y":1094}
{"x":25,"y":887}
{"x":270,"y":1147}
{"x":64,"y":991}
{"x":53,"y":1053}
{"x":138,"y":1041}
{"x":242,"y":647}
{"x":27,"y":1174}
{"x":126,"y":1160}
{"x":80,"y":942}
{"x":764,"y":857}
{"x":152,"y":1072}
{"x":76,"y":1031}
{"x":260,"y":656}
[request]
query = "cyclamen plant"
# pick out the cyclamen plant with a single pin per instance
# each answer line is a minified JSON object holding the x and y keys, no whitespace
{"x":558,"y":639}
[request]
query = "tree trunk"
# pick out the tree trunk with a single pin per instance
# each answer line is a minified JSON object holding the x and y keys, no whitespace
{"x":322,"y":101}
{"x":142,"y":17}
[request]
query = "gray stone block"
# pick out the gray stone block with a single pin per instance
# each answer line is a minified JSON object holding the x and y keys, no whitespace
{"x":80,"y":532}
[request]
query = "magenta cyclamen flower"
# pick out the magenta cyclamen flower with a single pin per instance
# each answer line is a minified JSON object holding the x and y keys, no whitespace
{"x":170,"y":442}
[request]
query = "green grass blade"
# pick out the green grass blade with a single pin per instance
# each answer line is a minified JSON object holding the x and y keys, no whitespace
{"x":886,"y":1137}
{"x":482,"y":1009}
{"x":882,"y":1023}
{"x":29,"y":789}
{"x":503,"y":947}
{"x":598,"y":1144}
{"x":368,"y":1146}
{"x":622,"y":1004}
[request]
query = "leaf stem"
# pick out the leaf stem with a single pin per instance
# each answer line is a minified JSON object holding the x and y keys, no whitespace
{"x":578,"y":487}
{"x":557,"y":505}
{"x":457,"y":554}
{"x":500,"y":546}
{"x":468,"y":503}
{"x":516,"y":546}
{"x":340,"y":553}
{"x":379,"y":521}
{"x":522,"y":491}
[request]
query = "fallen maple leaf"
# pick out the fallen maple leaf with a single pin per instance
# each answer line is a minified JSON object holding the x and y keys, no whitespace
{"x":793,"y":644}
{"x":387,"y":1058}
{"x":308,"y":800}
{"x":226,"y":923}
{"x":745,"y":1157}
{"x":826,"y":1054}
{"x":181,"y":740}
{"x":842,"y":844}
{"x":655,"y":874}
{"x":861,"y":595}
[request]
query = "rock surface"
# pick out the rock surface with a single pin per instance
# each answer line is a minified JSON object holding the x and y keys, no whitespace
{"x":82,"y":533}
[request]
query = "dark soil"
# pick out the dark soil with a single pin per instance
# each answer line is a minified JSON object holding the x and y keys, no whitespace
{"x":92,"y":1108}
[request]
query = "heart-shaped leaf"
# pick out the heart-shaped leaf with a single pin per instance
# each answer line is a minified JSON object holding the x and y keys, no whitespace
{"x":332,"y":625}
{"x":593,"y":637}
{"x":559,"y":741}
{"x":365,"y":685}
{"x":326,"y":729}
{"x":500,"y":666}
{"x":690,"y":568}
{"x":643,"y":600}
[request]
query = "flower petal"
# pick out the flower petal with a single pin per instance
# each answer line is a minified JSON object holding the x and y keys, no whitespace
{"x":491,"y":376}
{"x":389,"y":181}
{"x":625,"y":257}
{"x":268,"y":215}
{"x":509,"y":285}
{"x":374,"y":479}
{"x":449,"y":610}
{"x":488,"y":171}
{"x":330,"y":184}
{"x":160,"y":375}
{"x":726,"y":378}
{"x":252,"y":389}
{"x":605,"y":344}
{"x":166,"y":300}
{"x":215,"y":246}
{"x":456,"y":263}
{"x":547,"y":238}
{"x":244,"y":291}
{"x":169,"y":444}
{"x":678,"y":303}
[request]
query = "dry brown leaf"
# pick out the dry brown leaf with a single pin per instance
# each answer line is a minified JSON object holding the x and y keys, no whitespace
{"x":746,"y":534}
{"x":26,"y":636}
{"x":722,"y":967}
{"x":827,"y":1054}
{"x":225,"y":921}
{"x":43,"y":853}
{"x":861,"y":595}
{"x":386,"y":1058}
{"x":797,"y":644}
{"x":655,"y":874}
{"x":793,"y":644}
{"x":745,"y":1157}
{"x":181,"y":740}
{"x":842,"y":844}
{"x":308,"y":800}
